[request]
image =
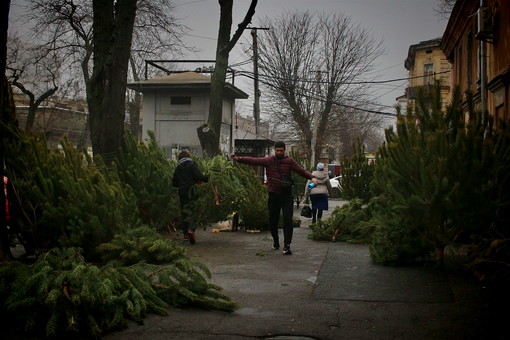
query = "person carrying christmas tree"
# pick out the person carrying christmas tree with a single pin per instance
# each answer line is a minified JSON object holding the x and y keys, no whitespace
{"x":318,"y":193}
{"x":185,"y":176}
{"x":279,"y":187}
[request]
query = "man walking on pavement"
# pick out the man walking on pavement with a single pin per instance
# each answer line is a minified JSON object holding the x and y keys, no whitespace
{"x":279,"y":187}
{"x":185,"y":176}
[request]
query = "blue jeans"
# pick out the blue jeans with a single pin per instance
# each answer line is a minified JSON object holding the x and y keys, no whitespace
{"x":275,"y":203}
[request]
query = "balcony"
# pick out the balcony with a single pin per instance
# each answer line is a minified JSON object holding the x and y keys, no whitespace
{"x":413,"y":92}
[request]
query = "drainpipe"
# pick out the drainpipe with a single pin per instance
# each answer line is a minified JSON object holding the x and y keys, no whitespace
{"x":483,"y":67}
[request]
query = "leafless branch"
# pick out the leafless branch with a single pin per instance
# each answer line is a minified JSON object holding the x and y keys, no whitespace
{"x":444,"y":8}
{"x":311,"y":66}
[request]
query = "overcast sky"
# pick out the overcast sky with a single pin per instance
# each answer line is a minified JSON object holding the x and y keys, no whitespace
{"x":398,"y":23}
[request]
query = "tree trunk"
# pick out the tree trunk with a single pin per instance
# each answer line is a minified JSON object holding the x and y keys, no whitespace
{"x":8,"y":119}
{"x":82,"y":142}
{"x":135,"y":106}
{"x":113,"y":31}
{"x":134,"y":115}
{"x":29,"y":123}
{"x":4,"y":87}
{"x":34,"y":105}
{"x":210,"y":139}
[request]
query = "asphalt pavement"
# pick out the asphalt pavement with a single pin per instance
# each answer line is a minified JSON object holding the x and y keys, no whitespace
{"x":325,"y":290}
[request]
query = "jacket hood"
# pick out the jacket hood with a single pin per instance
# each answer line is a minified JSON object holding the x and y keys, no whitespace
{"x":184,"y":161}
{"x":320,"y":175}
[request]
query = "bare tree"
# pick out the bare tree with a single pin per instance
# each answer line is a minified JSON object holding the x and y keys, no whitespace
{"x":316,"y":69}
{"x":349,"y":127}
{"x":67,"y":26}
{"x":34,"y":72}
{"x":106,"y":88}
{"x":209,"y":134}
{"x":444,"y":8}
{"x":64,"y":26}
{"x":156,"y":33}
{"x":358,"y":127}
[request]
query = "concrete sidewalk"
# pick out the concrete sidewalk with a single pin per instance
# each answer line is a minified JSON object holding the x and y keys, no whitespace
{"x":323,"y":291}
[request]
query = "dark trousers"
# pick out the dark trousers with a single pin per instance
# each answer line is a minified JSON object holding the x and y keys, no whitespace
{"x":316,"y":215}
{"x":187,"y":206}
{"x":275,"y":203}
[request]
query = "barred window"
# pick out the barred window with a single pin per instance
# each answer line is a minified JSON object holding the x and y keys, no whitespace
{"x":181,"y":100}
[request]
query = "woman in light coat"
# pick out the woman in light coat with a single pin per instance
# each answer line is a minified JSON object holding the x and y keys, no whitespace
{"x":319,"y":193}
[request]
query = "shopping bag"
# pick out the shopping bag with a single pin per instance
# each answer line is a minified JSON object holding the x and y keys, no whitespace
{"x":306,"y":211}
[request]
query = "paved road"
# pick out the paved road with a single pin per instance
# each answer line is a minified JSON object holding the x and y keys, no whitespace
{"x":323,"y":291}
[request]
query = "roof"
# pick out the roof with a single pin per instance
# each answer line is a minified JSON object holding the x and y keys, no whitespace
{"x":179,"y":78}
{"x":247,"y":142}
{"x":184,"y":80}
{"x":427,"y":44}
{"x":240,"y":134}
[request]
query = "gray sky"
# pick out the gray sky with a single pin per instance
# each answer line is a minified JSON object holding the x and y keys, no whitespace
{"x":398,"y":23}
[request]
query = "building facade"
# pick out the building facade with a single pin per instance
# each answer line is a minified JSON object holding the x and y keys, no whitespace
{"x":174,"y":106}
{"x":477,"y":43}
{"x":248,"y":124}
{"x":427,"y":64}
{"x":56,"y":118}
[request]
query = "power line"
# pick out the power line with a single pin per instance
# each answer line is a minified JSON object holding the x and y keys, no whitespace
{"x":199,"y":36}
{"x":399,"y":79}
{"x":348,"y":83}
{"x":392,"y":66}
{"x":190,"y":2}
{"x":241,"y":63}
{"x":246,"y":74}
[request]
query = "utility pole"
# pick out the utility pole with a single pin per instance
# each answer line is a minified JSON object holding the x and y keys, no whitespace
{"x":316,"y":118}
{"x":256,"y":91}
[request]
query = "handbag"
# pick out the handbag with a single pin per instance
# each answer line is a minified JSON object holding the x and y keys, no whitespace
{"x":306,"y":211}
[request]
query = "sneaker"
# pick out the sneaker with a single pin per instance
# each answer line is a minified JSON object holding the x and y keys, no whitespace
{"x":191,"y":236}
{"x":286,"y":249}
{"x":276,"y":246}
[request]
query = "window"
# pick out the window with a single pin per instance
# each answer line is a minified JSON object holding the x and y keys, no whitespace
{"x":428,"y":73}
{"x":181,"y":100}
